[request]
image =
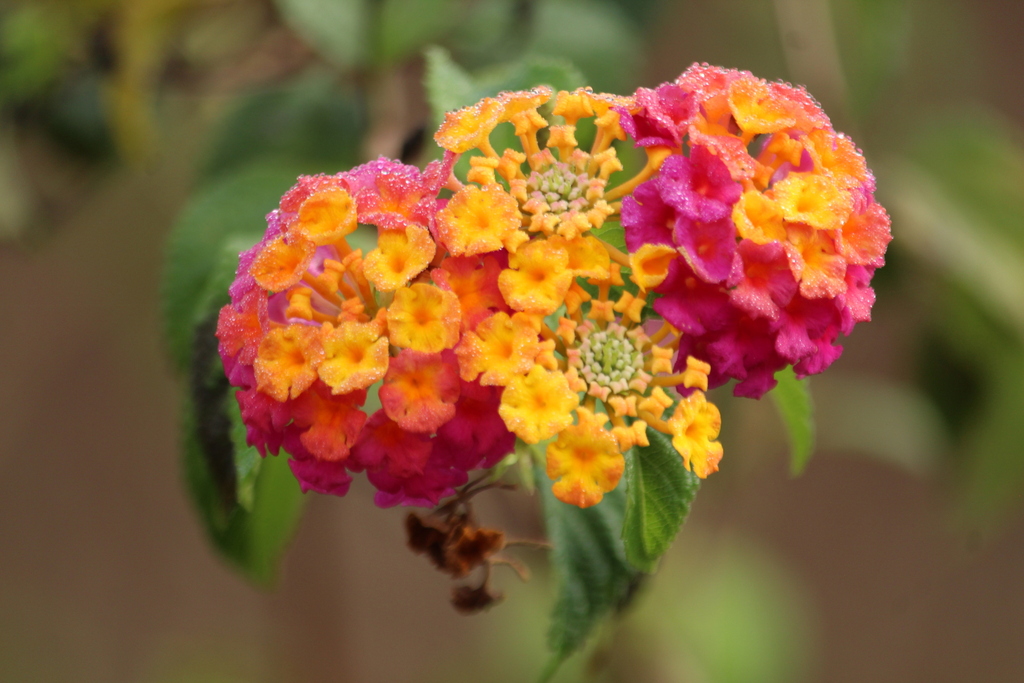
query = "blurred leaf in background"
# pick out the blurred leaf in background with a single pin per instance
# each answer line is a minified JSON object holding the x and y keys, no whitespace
{"x":959,"y":195}
{"x":34,"y":43}
{"x":603,"y":41}
{"x":309,"y":125}
{"x":337,"y":29}
{"x":405,"y":26}
{"x":722,"y":611}
{"x":792,"y":398}
{"x":896,"y":423}
{"x":873,"y":38}
{"x":450,"y":87}
{"x":249,"y":505}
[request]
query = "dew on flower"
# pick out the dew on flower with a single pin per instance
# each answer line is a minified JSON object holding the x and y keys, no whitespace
{"x":494,"y":311}
{"x":799,"y":221}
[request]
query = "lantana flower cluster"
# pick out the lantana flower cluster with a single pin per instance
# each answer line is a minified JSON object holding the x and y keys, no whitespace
{"x":491,"y":310}
{"x":773,"y":217}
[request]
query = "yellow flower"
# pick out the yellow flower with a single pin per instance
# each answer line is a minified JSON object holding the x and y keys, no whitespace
{"x":755,"y":109}
{"x":585,"y":460}
{"x":478,"y":220}
{"x":814,"y":259}
{"x":538,"y":279}
{"x":758,"y":218}
{"x":500,"y":349}
{"x":470,"y":127}
{"x":597,"y":364}
{"x":587,"y":256}
{"x":355,"y":356}
{"x":424,"y":318}
{"x":399,"y":257}
{"x":695,"y":424}
{"x":650,"y":264}
{"x":812,"y":199}
{"x":604,"y":353}
{"x":282,"y":263}
{"x":538,"y":405}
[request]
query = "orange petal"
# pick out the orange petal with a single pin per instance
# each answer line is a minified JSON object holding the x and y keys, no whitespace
{"x":420,"y":390}
{"x":326,"y":216}
{"x":695,"y":424}
{"x":399,"y":257}
{"x":331,"y":423}
{"x":469,"y":127}
{"x":281,"y":264}
{"x":424,"y":318}
{"x":355,"y":356}
{"x":756,"y":109}
{"x":538,"y":405}
{"x":499,"y":349}
{"x":287,"y":360}
{"x":539,"y":278}
{"x":586,"y":461}
{"x":478,"y":220}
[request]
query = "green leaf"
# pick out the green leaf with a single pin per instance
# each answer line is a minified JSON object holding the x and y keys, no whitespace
{"x":659,"y":492}
{"x":451,"y":87}
{"x":528,"y":72}
{"x":252,"y":527}
{"x":252,"y":540}
{"x":595,"y":578}
{"x":337,"y":29}
{"x":247,"y":463}
{"x":310,"y":124}
{"x":405,"y":26}
{"x":612,"y":233}
{"x":233,"y":207}
{"x":249,"y":506}
{"x":602,"y":42}
{"x":793,"y":400}
{"x":448,"y":85}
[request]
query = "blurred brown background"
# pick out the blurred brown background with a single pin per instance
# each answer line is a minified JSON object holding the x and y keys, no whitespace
{"x":881,"y":563}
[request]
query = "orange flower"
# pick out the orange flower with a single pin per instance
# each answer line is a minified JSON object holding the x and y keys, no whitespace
{"x":478,"y":220}
{"x":424,"y":318}
{"x":538,"y":405}
{"x":326,"y":216}
{"x":420,"y":390}
{"x":400,"y":256}
{"x":500,"y":348}
{"x":355,"y":356}
{"x":538,"y":279}
{"x":287,"y":360}
{"x":585,"y":460}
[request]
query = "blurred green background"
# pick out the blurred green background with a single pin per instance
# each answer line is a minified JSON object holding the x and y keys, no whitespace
{"x":897,"y":556}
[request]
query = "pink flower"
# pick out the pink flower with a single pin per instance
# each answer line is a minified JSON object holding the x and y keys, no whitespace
{"x":773,"y":216}
{"x":662,"y":118}
{"x":306,"y":335}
